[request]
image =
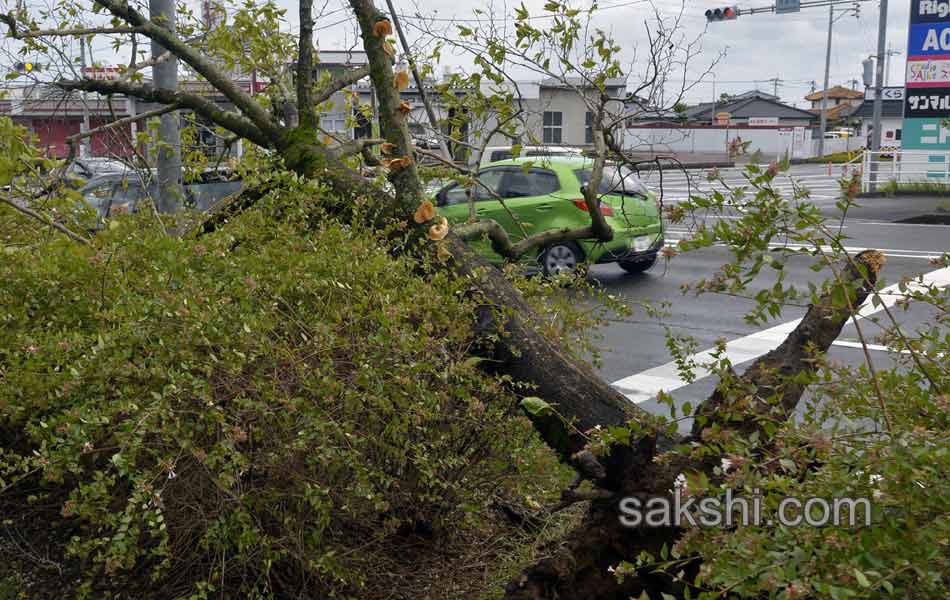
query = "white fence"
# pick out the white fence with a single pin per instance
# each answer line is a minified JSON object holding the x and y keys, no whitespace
{"x":833,"y":146}
{"x":794,"y":142}
{"x":906,"y":167}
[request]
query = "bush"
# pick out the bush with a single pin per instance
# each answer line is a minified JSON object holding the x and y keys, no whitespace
{"x":260,"y":411}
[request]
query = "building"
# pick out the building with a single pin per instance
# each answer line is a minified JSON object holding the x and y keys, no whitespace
{"x":892,"y":116}
{"x":837,"y":96}
{"x":52,"y":115}
{"x":842,"y":103}
{"x":752,"y":109}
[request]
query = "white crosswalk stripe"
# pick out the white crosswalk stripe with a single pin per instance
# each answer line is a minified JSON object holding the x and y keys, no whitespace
{"x":673,"y":235}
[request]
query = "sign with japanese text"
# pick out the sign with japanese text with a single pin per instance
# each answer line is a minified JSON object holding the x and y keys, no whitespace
{"x":927,"y":94}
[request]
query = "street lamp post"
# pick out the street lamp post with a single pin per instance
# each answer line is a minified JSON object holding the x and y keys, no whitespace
{"x":824,"y":94}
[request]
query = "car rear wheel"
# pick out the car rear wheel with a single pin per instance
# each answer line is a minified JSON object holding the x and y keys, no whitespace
{"x":638,"y":266}
{"x":563,"y":257}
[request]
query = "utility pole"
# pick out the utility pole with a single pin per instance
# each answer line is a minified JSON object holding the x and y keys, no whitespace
{"x":878,"y":93}
{"x":824,"y":93}
{"x":165,"y":77}
{"x":84,"y":126}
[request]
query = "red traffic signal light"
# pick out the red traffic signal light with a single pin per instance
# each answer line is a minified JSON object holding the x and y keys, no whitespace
{"x":727,"y":13}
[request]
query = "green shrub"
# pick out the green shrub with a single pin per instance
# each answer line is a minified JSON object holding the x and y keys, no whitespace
{"x":260,"y":411}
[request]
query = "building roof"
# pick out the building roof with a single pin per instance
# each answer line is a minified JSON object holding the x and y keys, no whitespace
{"x":752,"y":93}
{"x":836,"y":112}
{"x":889,"y":109}
{"x":750,"y":106}
{"x":578,"y":82}
{"x":838,"y":91}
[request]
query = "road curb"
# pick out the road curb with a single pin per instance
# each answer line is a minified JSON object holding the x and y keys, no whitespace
{"x":928,"y":219}
{"x":903,"y":193}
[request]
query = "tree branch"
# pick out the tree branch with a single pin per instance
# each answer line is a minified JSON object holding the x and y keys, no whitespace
{"x":36,"y":33}
{"x":355,"y":147}
{"x":266,"y":127}
{"x":231,"y":121}
{"x":123,"y":121}
{"x":346,"y":79}
{"x":46,"y":221}
{"x":742,"y":405}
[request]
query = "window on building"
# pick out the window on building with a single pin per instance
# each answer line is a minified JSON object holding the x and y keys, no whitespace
{"x":589,"y":128}
{"x":551,"y":127}
{"x":897,"y":135}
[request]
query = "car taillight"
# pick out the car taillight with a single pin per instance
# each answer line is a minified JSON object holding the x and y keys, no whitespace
{"x":604,"y":209}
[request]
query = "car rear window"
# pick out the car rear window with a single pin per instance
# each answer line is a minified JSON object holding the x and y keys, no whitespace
{"x":616,"y":181}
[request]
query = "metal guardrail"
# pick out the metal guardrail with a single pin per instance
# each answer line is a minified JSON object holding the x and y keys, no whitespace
{"x":901,"y":167}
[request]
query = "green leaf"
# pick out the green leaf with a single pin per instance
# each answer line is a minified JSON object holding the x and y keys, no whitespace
{"x":862,"y":579}
{"x":536,"y":406}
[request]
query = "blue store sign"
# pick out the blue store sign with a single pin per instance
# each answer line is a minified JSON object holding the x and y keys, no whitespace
{"x":929,"y":39}
{"x":928,"y":11}
{"x":927,"y":102}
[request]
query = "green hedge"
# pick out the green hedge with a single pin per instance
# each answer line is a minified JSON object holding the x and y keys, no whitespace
{"x":262,"y":410}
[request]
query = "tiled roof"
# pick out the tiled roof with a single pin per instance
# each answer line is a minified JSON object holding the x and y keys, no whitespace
{"x":836,"y":112}
{"x":889,"y":108}
{"x":838,"y":91}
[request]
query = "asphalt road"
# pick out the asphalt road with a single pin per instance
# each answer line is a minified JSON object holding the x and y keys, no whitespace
{"x":635,"y":357}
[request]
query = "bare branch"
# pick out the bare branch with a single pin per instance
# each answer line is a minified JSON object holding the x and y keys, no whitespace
{"x":37,"y":33}
{"x":355,"y":147}
{"x":46,"y":221}
{"x":123,"y":121}
{"x":339,"y":82}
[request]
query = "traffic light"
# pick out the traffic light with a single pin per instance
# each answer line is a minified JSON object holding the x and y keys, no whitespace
{"x":23,"y":67}
{"x":728,"y":13}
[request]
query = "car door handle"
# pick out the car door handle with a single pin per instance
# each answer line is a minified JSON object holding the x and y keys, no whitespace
{"x":544,"y":206}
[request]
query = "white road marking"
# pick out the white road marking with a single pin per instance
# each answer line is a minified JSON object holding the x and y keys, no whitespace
{"x":677,"y":234}
{"x":878,"y":347}
{"x":645,"y":385}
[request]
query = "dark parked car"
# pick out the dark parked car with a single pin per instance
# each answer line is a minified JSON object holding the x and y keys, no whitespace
{"x":116,"y":193}
{"x":81,"y":170}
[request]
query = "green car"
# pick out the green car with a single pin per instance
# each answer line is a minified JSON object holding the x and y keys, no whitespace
{"x":546,"y":194}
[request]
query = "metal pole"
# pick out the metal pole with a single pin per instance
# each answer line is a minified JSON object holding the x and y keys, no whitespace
{"x":84,"y":145}
{"x":878,"y":93}
{"x":415,"y":75}
{"x":133,"y":126}
{"x":165,"y":77}
{"x":824,"y":93}
{"x":887,"y":64}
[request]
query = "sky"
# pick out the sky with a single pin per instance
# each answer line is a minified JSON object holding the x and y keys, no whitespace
{"x":757,"y":47}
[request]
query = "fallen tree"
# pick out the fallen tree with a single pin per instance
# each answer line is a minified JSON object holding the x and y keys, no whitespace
{"x":639,"y":458}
